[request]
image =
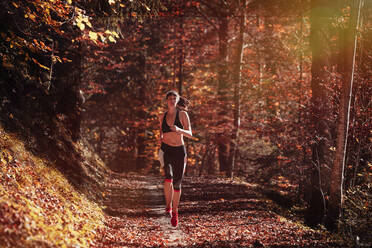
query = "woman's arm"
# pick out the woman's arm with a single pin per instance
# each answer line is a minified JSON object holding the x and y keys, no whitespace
{"x":185,"y":120}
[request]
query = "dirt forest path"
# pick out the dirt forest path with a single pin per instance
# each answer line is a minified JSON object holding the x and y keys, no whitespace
{"x":214,"y":212}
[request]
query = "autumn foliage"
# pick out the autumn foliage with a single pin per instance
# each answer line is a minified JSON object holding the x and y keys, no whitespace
{"x":82,"y":86}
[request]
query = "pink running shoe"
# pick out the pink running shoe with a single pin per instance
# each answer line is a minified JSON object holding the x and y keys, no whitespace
{"x":174,"y":219}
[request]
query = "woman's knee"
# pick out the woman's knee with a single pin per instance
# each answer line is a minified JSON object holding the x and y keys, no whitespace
{"x":177,"y":185}
{"x":177,"y":180}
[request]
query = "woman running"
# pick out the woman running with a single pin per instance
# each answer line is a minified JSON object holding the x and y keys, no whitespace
{"x":182,"y":104}
{"x":174,"y":124}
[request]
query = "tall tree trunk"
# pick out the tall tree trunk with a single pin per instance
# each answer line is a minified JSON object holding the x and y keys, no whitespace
{"x":337,"y":173}
{"x":237,"y":88}
{"x":223,"y":139}
{"x":181,"y":57}
{"x":260,"y":60}
{"x":142,"y":115}
{"x":321,"y":13}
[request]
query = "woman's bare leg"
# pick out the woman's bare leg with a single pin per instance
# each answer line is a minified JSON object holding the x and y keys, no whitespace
{"x":168,"y":193}
{"x":176,"y":200}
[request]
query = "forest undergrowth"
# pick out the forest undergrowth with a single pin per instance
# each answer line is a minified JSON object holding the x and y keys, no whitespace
{"x":38,"y":205}
{"x":40,"y":208}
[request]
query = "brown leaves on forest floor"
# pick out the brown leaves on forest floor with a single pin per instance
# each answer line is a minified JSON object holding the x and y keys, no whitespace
{"x":38,"y":205}
{"x":40,"y":208}
{"x":214,"y":212}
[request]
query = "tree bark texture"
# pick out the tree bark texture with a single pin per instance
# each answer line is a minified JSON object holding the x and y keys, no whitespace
{"x":223,"y":139}
{"x":141,"y":140}
{"x":337,"y":172}
{"x":237,"y":88}
{"x":320,"y":17}
{"x":181,"y":58}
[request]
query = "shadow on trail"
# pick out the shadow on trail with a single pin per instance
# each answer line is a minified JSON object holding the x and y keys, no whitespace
{"x":215,"y":191}
{"x":133,"y":196}
{"x":138,"y":194}
{"x":212,"y":196}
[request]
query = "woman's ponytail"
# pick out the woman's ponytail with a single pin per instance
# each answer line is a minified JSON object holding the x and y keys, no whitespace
{"x":183,"y":104}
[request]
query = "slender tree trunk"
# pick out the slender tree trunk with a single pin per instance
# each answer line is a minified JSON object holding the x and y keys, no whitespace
{"x":142,"y":115}
{"x":300,"y":80}
{"x":174,"y":75}
{"x":181,"y":57}
{"x":260,"y":60}
{"x":51,"y":67}
{"x":237,"y":88}
{"x":299,"y":110}
{"x":337,"y":173}
{"x":74,"y":88}
{"x":222,"y":66}
{"x":223,"y":139}
{"x":356,"y":167}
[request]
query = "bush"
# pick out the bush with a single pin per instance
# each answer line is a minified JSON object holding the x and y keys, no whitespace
{"x":356,"y":223}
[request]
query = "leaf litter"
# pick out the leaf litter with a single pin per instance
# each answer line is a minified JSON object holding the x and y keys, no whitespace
{"x":214,"y":212}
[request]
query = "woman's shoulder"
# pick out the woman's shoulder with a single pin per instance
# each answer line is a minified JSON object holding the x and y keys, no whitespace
{"x":183,"y":113}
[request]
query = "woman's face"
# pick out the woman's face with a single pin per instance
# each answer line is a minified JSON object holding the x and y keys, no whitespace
{"x":172,"y":101}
